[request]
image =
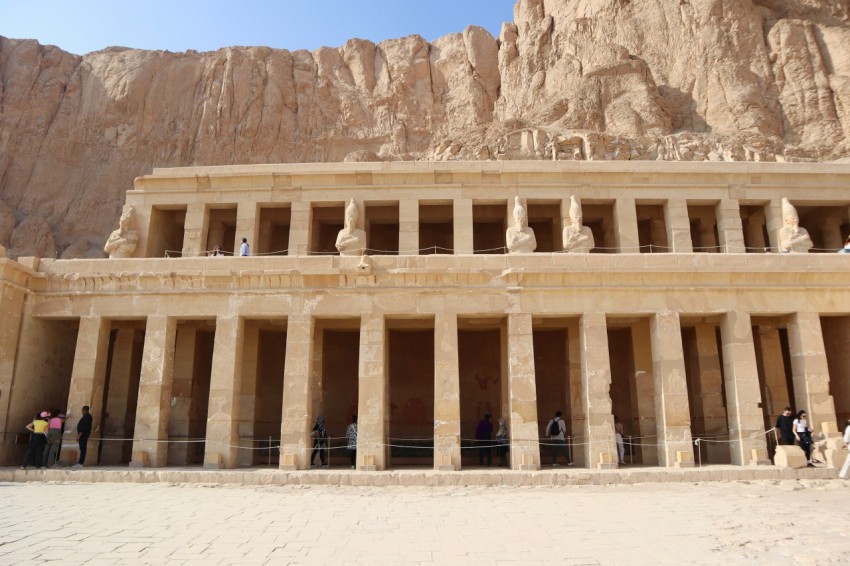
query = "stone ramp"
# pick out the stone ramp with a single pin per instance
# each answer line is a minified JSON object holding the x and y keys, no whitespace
{"x":417,"y":477}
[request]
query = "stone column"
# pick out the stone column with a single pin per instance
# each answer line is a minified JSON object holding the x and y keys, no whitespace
{"x":711,"y":391}
{"x":776,"y":391}
{"x":295,"y":424}
{"x":755,"y":233}
{"x":115,"y":413}
{"x":463,"y":223}
{"x":447,"y":455}
{"x":644,"y":392}
{"x":221,"y":449}
{"x":730,"y":229}
{"x":810,"y":373}
{"x":625,"y":217}
{"x":522,"y":394}
{"x":372,"y":405}
{"x":746,"y":424}
{"x":299,"y":228}
{"x":248,"y":394}
{"x":12,"y":297}
{"x":154,"y":404}
{"x":88,"y":376}
{"x":600,"y":448}
{"x":672,"y":411}
{"x":408,"y":227}
{"x":773,"y":219}
{"x":247,"y":226}
{"x":181,"y":395}
{"x":678,"y":227}
{"x":577,"y":416}
{"x":195,"y":229}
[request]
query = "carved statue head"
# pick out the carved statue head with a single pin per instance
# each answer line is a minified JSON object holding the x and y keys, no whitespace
{"x":351,"y":213}
{"x":520,"y":215}
{"x":125,"y":222}
{"x":789,"y":214}
{"x":575,"y":212}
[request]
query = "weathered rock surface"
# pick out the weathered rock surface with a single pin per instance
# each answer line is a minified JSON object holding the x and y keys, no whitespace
{"x":579,"y":79}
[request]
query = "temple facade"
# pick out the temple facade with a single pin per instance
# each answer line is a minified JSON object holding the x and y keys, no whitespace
{"x":690,"y":302}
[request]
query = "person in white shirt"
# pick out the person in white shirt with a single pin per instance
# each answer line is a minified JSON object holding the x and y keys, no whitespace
{"x":846,"y":467}
{"x":556,"y":429}
{"x":244,"y":250}
{"x":803,"y":434}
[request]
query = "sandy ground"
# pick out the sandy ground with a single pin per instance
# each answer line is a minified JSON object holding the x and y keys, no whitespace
{"x":781,"y":522}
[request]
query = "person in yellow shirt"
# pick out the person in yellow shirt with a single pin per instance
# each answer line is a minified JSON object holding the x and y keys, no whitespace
{"x":38,"y":439}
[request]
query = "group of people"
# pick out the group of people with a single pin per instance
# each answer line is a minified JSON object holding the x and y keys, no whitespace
{"x":319,"y":433}
{"x":244,"y":250}
{"x":485,"y":442}
{"x":45,"y":443}
{"x":795,"y":430}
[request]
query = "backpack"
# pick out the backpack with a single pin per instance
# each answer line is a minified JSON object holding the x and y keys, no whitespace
{"x":554,"y":428}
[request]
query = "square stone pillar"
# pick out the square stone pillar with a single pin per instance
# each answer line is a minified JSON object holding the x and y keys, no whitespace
{"x":522,"y":394}
{"x":600,"y":447}
{"x":295,"y":424}
{"x":730,"y":229}
{"x":372,"y":404}
{"x":645,"y":392}
{"x":463,"y":226}
{"x":810,"y":373}
{"x":88,"y":377}
{"x":710,"y":381}
{"x":678,"y":225}
{"x":248,"y":395}
{"x":299,"y":228}
{"x":247,"y":226}
{"x":11,"y":313}
{"x":746,"y":423}
{"x":115,"y":412}
{"x":672,"y":411}
{"x":447,"y":455}
{"x":773,"y":219}
{"x":625,"y":218}
{"x":773,"y":370}
{"x":154,"y":404}
{"x":577,"y":417}
{"x":408,"y":227}
{"x":222,"y":443}
{"x":181,"y":396}
{"x":195,"y":229}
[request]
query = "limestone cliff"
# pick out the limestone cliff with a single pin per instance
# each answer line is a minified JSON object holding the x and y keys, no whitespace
{"x":568,"y":79}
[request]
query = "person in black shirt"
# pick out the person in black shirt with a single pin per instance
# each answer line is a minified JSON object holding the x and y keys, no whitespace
{"x":83,"y":432}
{"x":784,"y":424}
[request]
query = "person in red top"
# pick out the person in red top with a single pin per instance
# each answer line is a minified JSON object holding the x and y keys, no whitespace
{"x":54,"y":437}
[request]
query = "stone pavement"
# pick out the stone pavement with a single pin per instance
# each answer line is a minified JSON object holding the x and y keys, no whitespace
{"x":780,"y":522}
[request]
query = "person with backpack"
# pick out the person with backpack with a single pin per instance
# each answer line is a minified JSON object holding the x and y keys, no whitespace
{"x":556,"y":429}
{"x":483,"y":434}
{"x":320,"y":442}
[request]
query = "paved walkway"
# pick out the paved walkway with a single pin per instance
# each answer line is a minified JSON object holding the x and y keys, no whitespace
{"x":779,"y":522}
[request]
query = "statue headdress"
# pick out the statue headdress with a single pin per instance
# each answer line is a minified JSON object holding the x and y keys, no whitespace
{"x":788,"y":209}
{"x":519,"y":210}
{"x":351,"y":211}
{"x":575,"y":208}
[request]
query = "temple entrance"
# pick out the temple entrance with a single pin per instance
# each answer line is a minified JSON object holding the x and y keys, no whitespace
{"x":828,"y":226}
{"x":703,"y":221}
{"x":773,"y":359}
{"x":652,"y":228}
{"x":121,"y":391}
{"x":489,"y":224}
{"x":411,"y":393}
{"x":633,"y":388}
{"x":483,"y":383}
{"x":836,"y":339}
{"x":436,"y":227}
{"x":273,"y":235}
{"x":545,"y":219}
{"x":599,"y":217}
{"x":166,"y":231}
{"x":46,"y":348}
{"x":335,"y":393}
{"x":264,"y":356}
{"x":221,"y":230}
{"x":754,"y":223}
{"x":190,"y":392}
{"x":326,"y":221}
{"x":702,"y":350}
{"x":553,"y":383}
{"x":382,"y":228}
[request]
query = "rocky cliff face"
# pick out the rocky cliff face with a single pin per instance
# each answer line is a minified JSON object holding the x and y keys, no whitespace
{"x":569,"y":79}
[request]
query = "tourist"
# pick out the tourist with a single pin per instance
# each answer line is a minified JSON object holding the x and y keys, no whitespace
{"x":621,"y":446}
{"x":556,"y":429}
{"x":502,"y":443}
{"x":244,"y":249}
{"x":785,"y":426}
{"x":846,"y":248}
{"x":38,"y":438}
{"x":54,"y":437}
{"x":483,"y":435}
{"x":217,"y":252}
{"x":351,"y":434}
{"x":320,"y":442}
{"x":83,"y":431}
{"x":846,"y":467}
{"x":803,"y":434}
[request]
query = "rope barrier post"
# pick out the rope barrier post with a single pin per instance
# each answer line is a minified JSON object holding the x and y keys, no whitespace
{"x":270,"y":452}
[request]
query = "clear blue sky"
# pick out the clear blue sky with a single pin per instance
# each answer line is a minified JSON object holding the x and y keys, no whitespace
{"x":205,"y":25}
